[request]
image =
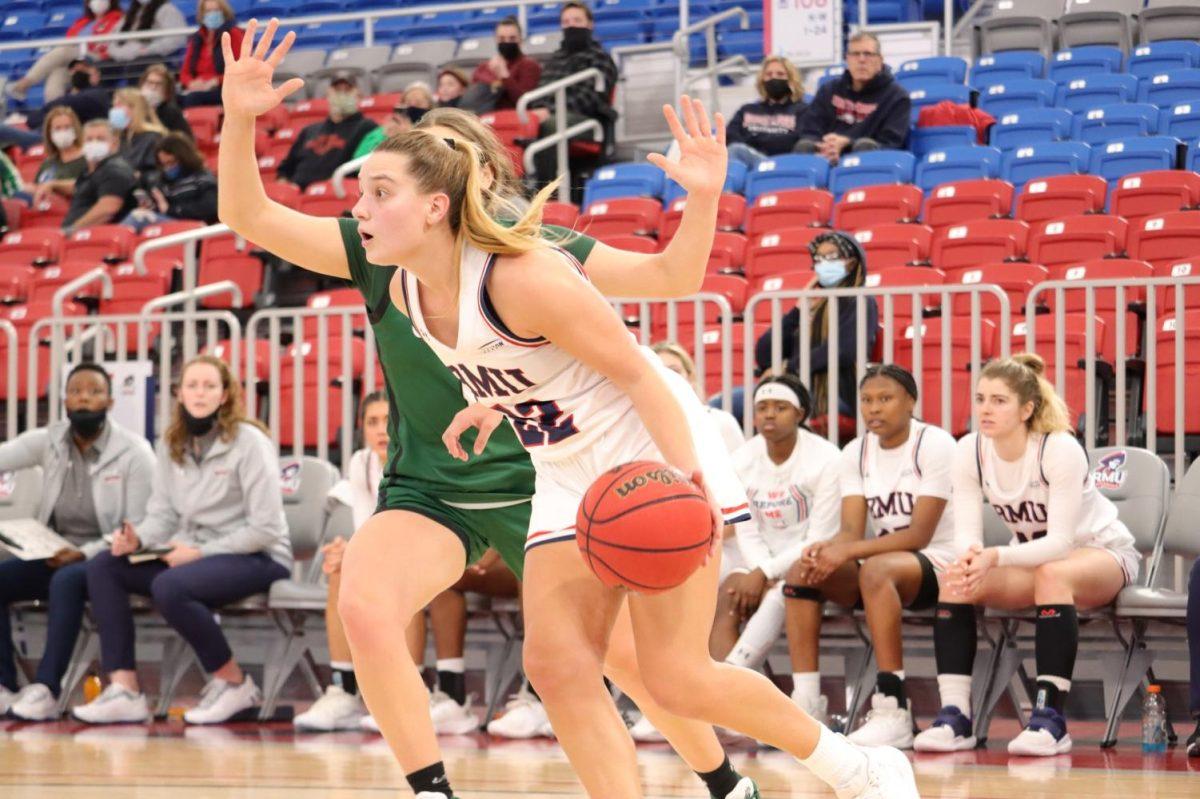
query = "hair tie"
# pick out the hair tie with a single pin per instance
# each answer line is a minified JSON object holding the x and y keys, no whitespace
{"x":451,"y":143}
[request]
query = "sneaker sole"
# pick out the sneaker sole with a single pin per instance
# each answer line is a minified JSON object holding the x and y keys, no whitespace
{"x":896,"y":743}
{"x":145,"y":720}
{"x":461,"y":727}
{"x":957,"y":745}
{"x":245,"y":714}
{"x":305,"y":726}
{"x":1061,"y":747}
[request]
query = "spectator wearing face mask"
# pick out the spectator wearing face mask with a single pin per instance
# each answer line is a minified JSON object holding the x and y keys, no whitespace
{"x":137,"y":127}
{"x":146,"y":15}
{"x":95,"y":474}
{"x":451,"y":85}
{"x":324,"y":146}
{"x":85,"y":98}
{"x":180,"y":188}
{"x":158,"y":87}
{"x":204,"y":63}
{"x":770,"y":126}
{"x":403,"y":117}
{"x":104,"y":193}
{"x":62,"y":136}
{"x":508,"y":74}
{"x":53,"y":68}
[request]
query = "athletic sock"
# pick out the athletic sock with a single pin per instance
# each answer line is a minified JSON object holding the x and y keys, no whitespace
{"x":806,"y":686}
{"x":343,"y":676}
{"x":837,"y":762}
{"x":1055,"y":643}
{"x":955,"y":689}
{"x":720,"y":781}
{"x":452,"y":679}
{"x":432,"y":779}
{"x":954,"y":638}
{"x":891,"y":683}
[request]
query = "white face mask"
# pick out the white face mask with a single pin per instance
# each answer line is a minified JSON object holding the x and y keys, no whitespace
{"x":99,"y":7}
{"x":153,"y":96}
{"x":62,"y":138}
{"x":343,"y":103}
{"x":95,"y":150}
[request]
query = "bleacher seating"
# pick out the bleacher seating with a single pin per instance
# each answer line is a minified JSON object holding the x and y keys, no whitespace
{"x":972,"y":162}
{"x":1127,"y":120}
{"x":1083,"y":62}
{"x":1030,"y":126}
{"x":869,"y":169}
{"x":1017,"y":95}
{"x":1005,"y":66}
{"x":962,"y":201}
{"x":787,"y":172}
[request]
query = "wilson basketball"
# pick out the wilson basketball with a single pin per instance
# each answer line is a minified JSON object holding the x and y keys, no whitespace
{"x":644,"y":526}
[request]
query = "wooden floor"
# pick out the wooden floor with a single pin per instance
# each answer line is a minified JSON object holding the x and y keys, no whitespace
{"x":67,"y":760}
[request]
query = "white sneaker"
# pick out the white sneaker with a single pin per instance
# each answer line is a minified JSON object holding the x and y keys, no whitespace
{"x":646,"y":732}
{"x":114,"y":705}
{"x":7,"y":698}
{"x":35,"y":703}
{"x":818,"y":709}
{"x":451,"y":718}
{"x":221,"y":701}
{"x":1045,"y":735}
{"x":951,"y":732}
{"x":524,"y":717}
{"x":335,"y":710}
{"x":368,"y":723}
{"x":886,"y":724}
{"x":745,"y":789}
{"x":433,"y":795}
{"x":889,"y":776}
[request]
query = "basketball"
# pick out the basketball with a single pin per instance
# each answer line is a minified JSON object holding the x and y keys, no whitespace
{"x":644,"y":526}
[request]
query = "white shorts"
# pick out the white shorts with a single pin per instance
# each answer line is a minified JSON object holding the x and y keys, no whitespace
{"x":560,"y":484}
{"x":940,"y":556}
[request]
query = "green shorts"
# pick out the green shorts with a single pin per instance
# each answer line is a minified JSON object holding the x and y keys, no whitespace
{"x":501,"y":528}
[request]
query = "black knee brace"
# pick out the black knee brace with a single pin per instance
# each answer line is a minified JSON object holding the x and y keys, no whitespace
{"x":794,"y":591}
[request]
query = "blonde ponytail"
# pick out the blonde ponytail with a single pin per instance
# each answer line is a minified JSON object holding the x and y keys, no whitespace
{"x":1025,"y":375}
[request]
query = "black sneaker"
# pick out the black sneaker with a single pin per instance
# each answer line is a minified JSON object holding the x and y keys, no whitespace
{"x":1193,"y":741}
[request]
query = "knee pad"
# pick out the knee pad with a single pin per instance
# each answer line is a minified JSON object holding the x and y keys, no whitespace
{"x":793,"y":591}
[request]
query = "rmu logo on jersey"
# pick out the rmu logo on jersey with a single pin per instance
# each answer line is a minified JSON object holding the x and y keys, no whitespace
{"x":289,"y":477}
{"x":1027,"y":511}
{"x":1110,"y":473}
{"x":898,"y":503}
{"x":485,"y":382}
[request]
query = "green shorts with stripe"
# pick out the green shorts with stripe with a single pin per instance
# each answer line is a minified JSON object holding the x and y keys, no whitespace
{"x":502,"y":526}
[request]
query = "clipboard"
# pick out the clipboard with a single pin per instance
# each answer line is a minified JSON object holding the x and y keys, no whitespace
{"x":29,"y":539}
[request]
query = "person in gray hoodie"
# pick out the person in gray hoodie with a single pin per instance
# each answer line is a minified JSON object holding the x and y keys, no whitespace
{"x":215,"y":519}
{"x":95,"y":474}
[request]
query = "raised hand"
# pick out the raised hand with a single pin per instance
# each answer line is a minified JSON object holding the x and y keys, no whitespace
{"x":702,"y":154}
{"x":247,"y":88}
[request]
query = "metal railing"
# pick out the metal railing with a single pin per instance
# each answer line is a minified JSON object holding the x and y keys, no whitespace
{"x":681,"y":44}
{"x":12,"y":405}
{"x":190,"y":240}
{"x":562,"y":135}
{"x":342,"y":172}
{"x":187,"y":299}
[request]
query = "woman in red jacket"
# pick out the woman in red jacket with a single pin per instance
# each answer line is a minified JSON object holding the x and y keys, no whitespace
{"x":99,"y":16}
{"x":203,"y":64}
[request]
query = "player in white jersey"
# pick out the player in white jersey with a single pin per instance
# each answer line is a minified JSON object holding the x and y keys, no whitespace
{"x":1069,"y":550}
{"x":895,"y":484}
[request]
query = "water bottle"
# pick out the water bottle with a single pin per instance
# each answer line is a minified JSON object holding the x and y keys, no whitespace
{"x":1154,"y":722}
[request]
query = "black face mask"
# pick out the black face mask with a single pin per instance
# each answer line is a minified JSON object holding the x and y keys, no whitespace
{"x":509,"y":51}
{"x":576,"y":39}
{"x":777,"y":88}
{"x":199,"y":425}
{"x":81,"y":80}
{"x":415,"y":114}
{"x":87,"y":424}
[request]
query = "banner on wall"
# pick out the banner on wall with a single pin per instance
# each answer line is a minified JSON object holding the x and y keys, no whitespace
{"x":807,"y":32}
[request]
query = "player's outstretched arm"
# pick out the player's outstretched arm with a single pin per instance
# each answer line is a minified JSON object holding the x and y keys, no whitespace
{"x":312,"y":242}
{"x":678,"y":270}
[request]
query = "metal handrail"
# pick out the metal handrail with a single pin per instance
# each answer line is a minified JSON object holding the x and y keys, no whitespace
{"x":99,"y":274}
{"x":12,"y":406}
{"x":207,"y":290}
{"x":679,"y":42}
{"x":562,"y":133}
{"x":339,"y":175}
{"x":187,"y":238}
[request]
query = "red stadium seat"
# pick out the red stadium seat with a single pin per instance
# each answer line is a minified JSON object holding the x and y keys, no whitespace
{"x":48,"y":213}
{"x":378,"y":107}
{"x":965,"y":200}
{"x":1073,"y":239}
{"x":901,"y":276}
{"x":49,"y":280}
{"x":1061,"y":195}
{"x":980,"y":242}
{"x":12,"y":212}
{"x":283,"y":193}
{"x":31,"y":245}
{"x":23,"y":318}
{"x":731,"y":210}
{"x":734,"y":288}
{"x":781,"y":251}
{"x":1166,"y":295}
{"x":932,"y":377}
{"x":895,"y":245}
{"x":785,"y":281}
{"x":131,"y":292}
{"x":728,"y":252}
{"x":307,"y":112}
{"x":205,"y":122}
{"x":1164,"y":343}
{"x":223,"y":349}
{"x":712,"y":340}
{"x":310,"y":425}
{"x":1015,"y":279}
{"x":169,"y":256}
{"x":632,"y":216}
{"x":309,"y":352}
{"x":334,"y":325}
{"x":1105,"y":300}
{"x":508,"y":126}
{"x":15,"y":280}
{"x":1074,"y":341}
{"x":112,"y":243}
{"x":561,"y":214}
{"x":319,"y":198}
{"x":1166,"y":238}
{"x":1138,"y":196}
{"x":245,"y":270}
{"x":786,"y":209}
{"x":877,"y":205}
{"x":642,"y":244}
{"x":268,"y":165}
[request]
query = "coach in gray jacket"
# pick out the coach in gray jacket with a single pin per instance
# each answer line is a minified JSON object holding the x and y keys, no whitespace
{"x":95,"y":475}
{"x":216,"y":510}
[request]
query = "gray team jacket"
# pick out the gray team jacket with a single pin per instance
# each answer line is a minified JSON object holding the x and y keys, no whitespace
{"x":230,"y":503}
{"x":120,"y":478}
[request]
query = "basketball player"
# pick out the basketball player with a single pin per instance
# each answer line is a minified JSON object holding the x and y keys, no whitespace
{"x":894,"y":485}
{"x":438,"y":514}
{"x":1069,"y":551}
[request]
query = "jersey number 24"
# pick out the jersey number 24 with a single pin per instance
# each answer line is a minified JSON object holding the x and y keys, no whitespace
{"x":540,"y":423}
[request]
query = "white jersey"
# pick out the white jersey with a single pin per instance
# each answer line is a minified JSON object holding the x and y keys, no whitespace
{"x":728,"y":427}
{"x":792,"y":504}
{"x":359,"y":489}
{"x":1047,"y":499}
{"x":892,"y":480}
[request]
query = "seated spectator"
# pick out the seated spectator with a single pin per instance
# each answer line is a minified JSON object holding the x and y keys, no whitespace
{"x":579,"y":51}
{"x":402,"y":118}
{"x":146,"y":15}
{"x":62,"y":136}
{"x":418,"y":96}
{"x":499,"y":82}
{"x":181,"y":188}
{"x":204,"y":63}
{"x":85,"y":98}
{"x":158,"y":87}
{"x":217,"y":510}
{"x":863,"y":109}
{"x":839,"y":262}
{"x":324,"y":146}
{"x":771,"y":126}
{"x":104,"y":193}
{"x":95,"y":474}
{"x":451,"y":85}
{"x":54,"y":66}
{"x":137,"y":127}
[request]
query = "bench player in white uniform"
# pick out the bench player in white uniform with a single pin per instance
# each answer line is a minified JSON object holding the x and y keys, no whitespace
{"x":530,"y":336}
{"x":1069,"y":550}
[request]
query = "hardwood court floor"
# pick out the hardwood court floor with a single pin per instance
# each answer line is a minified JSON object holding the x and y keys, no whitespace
{"x":68,"y":760}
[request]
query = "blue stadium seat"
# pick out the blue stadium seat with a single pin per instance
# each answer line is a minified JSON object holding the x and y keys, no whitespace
{"x":1193,"y":157}
{"x":1117,"y":159}
{"x":932,"y":95}
{"x":957,"y":163}
{"x":731,"y":24}
{"x":830,"y":73}
{"x":22,"y":25}
{"x":484,"y":21}
{"x":884,"y":11}
{"x":1044,"y":159}
{"x":745,"y":43}
{"x":329,"y":34}
{"x":265,"y":9}
{"x":1181,"y":120}
{"x":320,"y":7}
{"x":628,"y":29}
{"x":787,"y":172}
{"x":926,"y":140}
{"x":922,"y":72}
{"x":1015,"y":95}
{"x":1158,"y":58}
{"x":1100,"y":125}
{"x":1096,"y":91}
{"x":1083,"y":62}
{"x":59,"y":19}
{"x":735,"y":183}
{"x":1031,"y":126}
{"x":623,"y":180}
{"x":1003,"y":67}
{"x":1169,"y":88}
{"x":870,"y":169}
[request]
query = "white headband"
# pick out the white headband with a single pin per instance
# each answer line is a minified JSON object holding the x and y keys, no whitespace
{"x":777,"y":391}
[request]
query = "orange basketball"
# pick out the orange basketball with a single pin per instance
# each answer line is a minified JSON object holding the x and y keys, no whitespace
{"x":644,"y":526}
